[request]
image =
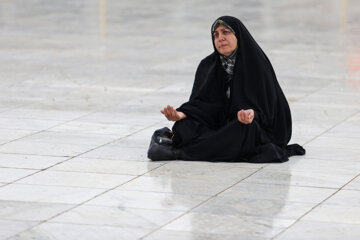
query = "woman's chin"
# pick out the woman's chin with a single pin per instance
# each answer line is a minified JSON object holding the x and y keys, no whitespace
{"x":225,"y":53}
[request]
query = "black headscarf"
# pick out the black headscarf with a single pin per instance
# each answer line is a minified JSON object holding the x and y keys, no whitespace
{"x":254,"y":86}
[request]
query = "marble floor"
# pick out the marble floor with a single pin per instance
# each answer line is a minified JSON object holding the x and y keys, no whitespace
{"x":82,"y":85}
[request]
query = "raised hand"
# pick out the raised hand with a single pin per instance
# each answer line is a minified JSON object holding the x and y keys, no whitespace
{"x":246,"y":116}
{"x":171,"y":114}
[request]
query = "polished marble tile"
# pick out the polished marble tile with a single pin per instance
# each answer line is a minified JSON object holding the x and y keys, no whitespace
{"x":42,"y":114}
{"x":117,"y":216}
{"x":119,"y":153}
{"x":244,"y":226}
{"x":301,"y":139}
{"x":314,"y":230}
{"x":60,"y":231}
{"x":27,"y":124}
{"x":355,"y":119}
{"x":190,"y":235}
{"x":354,"y":184}
{"x":92,"y":88}
{"x":321,"y":115}
{"x":111,"y":117}
{"x":71,"y":138}
{"x":303,"y":164}
{"x":235,"y":164}
{"x":148,"y":200}
{"x":76,"y":179}
{"x":8,"y":175}
{"x":12,"y":134}
{"x":336,"y":142}
{"x":261,"y":208}
{"x":300,"y":178}
{"x":281,"y":193}
{"x":201,"y":170}
{"x":345,"y":129}
{"x":44,"y":148}
{"x":106,"y":166}
{"x":205,"y":186}
{"x":78,"y":126}
{"x":50,"y":194}
{"x":331,"y":99}
{"x":348,"y":198}
{"x":30,"y":211}
{"x":309,"y":129}
{"x":9,"y":228}
{"x":335,"y":214}
{"x":331,"y":153}
{"x":28,"y":161}
{"x":137,"y":140}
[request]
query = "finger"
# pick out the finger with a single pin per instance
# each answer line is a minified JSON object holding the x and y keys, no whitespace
{"x":177,"y":115}
{"x":168,"y":114}
{"x":243,"y":115}
{"x":246,"y":117}
{"x":174,"y":112}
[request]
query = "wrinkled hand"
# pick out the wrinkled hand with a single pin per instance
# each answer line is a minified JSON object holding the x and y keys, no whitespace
{"x":246,"y":116}
{"x":171,"y":114}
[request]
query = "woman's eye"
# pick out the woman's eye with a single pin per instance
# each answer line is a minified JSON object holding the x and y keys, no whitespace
{"x":226,"y":32}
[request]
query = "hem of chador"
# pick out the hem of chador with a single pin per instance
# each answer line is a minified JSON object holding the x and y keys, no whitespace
{"x":267,"y":153}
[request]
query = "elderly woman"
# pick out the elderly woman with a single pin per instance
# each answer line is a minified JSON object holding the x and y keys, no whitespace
{"x":236,"y":111}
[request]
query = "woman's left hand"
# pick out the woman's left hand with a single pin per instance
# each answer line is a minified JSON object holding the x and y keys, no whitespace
{"x":246,"y":116}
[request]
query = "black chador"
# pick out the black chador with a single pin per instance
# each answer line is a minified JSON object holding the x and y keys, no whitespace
{"x":211,"y":130}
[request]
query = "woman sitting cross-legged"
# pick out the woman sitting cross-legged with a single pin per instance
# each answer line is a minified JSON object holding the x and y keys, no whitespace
{"x":236,"y":111}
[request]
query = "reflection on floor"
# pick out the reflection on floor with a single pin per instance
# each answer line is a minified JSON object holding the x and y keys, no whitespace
{"x":82,"y":85}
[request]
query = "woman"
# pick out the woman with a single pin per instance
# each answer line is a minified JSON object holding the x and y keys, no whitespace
{"x":236,"y":111}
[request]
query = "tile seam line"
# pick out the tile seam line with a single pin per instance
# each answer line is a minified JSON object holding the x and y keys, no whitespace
{"x":82,"y":203}
{"x":313,"y":92}
{"x":44,"y":130}
{"x":317,"y":205}
{"x":74,"y":119}
{"x":206,"y":200}
{"x":335,"y":125}
{"x":333,"y":82}
{"x":80,"y":155}
{"x":16,"y":107}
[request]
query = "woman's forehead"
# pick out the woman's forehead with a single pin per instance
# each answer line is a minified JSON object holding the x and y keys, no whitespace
{"x":220,"y":24}
{"x":220,"y":27}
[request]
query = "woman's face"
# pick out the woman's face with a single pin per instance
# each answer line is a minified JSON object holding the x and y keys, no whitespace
{"x":225,"y":40}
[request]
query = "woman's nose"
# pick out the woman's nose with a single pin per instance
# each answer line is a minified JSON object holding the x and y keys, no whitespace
{"x":221,"y":37}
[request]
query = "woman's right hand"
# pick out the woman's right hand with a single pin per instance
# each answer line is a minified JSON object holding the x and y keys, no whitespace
{"x":171,"y":114}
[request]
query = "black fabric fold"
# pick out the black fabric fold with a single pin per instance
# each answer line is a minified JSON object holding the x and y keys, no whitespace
{"x":254,"y":86}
